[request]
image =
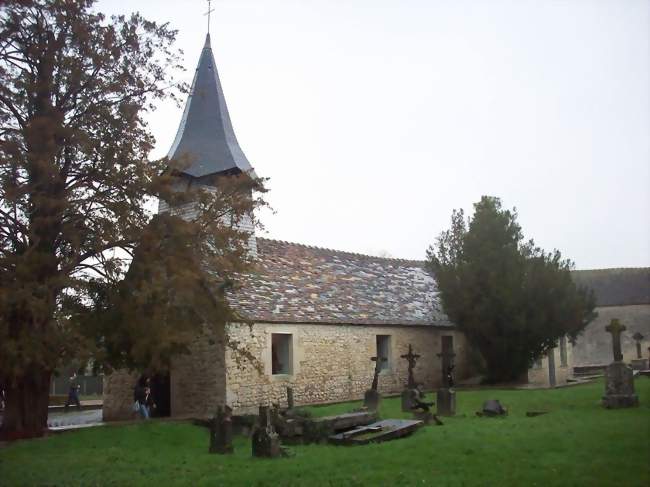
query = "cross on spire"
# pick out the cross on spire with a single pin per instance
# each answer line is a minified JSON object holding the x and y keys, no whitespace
{"x":210,"y":10}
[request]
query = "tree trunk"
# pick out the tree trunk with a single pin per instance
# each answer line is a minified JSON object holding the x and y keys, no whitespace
{"x":25,"y":414}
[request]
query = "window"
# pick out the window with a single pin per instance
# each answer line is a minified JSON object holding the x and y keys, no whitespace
{"x":538,"y":363}
{"x":383,"y":351}
{"x":281,"y":354}
{"x":563,"y":359}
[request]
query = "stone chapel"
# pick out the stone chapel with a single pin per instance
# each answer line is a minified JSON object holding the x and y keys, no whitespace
{"x":318,"y":315}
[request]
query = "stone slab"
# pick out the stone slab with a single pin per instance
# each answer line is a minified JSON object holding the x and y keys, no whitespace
{"x":348,"y":420}
{"x":388,"y":429}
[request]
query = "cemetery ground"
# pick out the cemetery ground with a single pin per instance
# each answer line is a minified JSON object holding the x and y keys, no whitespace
{"x":576,"y":443}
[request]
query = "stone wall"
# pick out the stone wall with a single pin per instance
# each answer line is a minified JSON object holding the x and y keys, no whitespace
{"x":198,"y":380}
{"x":118,"y":395}
{"x":594,"y":346}
{"x":540,"y":376}
{"x":332,"y":362}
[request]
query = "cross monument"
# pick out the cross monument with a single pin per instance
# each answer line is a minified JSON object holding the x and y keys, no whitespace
{"x":616,"y":329}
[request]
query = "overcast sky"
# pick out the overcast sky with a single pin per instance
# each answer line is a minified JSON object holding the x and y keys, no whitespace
{"x":375,"y":118}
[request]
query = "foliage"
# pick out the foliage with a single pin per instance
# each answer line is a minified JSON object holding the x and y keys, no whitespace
{"x":512,"y":300}
{"x":75,"y":184}
{"x":577,"y":443}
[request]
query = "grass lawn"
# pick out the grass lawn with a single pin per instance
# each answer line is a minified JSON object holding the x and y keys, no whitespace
{"x":577,"y":443}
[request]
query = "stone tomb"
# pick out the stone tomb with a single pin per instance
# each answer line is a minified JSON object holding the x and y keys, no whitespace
{"x":388,"y":429}
{"x":619,"y":379}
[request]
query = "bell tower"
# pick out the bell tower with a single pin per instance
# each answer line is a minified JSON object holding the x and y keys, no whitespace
{"x":205,"y":146}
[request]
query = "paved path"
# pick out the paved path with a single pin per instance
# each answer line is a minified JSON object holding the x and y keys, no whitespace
{"x":74,"y":417}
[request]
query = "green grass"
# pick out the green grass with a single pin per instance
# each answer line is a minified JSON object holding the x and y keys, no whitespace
{"x":576,"y":443}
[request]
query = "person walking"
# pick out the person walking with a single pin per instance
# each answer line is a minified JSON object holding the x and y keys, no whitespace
{"x":73,"y":393}
{"x":143,"y":399}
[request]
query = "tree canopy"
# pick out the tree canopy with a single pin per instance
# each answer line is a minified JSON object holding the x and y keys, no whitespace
{"x":512,"y":299}
{"x":76,"y":183}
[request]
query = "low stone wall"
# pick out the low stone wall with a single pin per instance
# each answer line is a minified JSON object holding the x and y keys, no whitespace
{"x":331,"y":363}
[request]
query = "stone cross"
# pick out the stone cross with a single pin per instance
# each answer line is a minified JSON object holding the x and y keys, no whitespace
{"x":638,"y":337}
{"x":411,"y":358}
{"x":375,"y":379}
{"x":615,"y":328}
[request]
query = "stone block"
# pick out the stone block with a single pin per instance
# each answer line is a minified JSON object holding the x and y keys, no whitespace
{"x":446,"y":401}
{"x":409,"y":399}
{"x":371,"y":399}
{"x":619,"y":387}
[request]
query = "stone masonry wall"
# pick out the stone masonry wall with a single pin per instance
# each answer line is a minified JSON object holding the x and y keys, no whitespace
{"x":539,"y":376}
{"x":594,"y":346}
{"x":198,"y":380}
{"x":118,"y":395}
{"x":332,"y":362}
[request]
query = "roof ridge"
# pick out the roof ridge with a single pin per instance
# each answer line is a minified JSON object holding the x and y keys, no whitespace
{"x":345,"y":252}
{"x":612,"y":269}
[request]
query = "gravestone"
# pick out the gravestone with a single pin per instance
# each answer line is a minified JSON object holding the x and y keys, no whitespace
{"x":371,"y":398}
{"x":411,"y":393}
{"x":266,"y":442}
{"x":492,"y":407}
{"x":221,"y":431}
{"x":619,"y":379}
{"x":446,"y":396}
{"x":639,"y":363}
{"x":446,"y":400}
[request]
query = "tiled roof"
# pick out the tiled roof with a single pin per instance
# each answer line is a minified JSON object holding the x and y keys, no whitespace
{"x":295,"y":283}
{"x":617,"y":287}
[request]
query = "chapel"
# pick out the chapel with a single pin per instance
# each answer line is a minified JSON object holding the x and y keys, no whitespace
{"x":318,"y":315}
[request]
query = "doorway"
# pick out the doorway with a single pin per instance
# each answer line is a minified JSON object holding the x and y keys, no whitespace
{"x":161,"y":392}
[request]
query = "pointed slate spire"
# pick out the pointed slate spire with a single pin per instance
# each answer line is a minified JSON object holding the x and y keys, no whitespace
{"x":205,"y":137}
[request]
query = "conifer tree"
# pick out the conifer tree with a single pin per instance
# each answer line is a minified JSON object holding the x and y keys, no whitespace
{"x":512,"y":300}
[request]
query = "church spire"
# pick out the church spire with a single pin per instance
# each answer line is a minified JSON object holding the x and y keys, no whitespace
{"x":205,"y":139}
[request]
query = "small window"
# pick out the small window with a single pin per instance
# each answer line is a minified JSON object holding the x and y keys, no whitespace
{"x":281,"y":353}
{"x":383,"y":351}
{"x":563,"y":357}
{"x":538,"y":363}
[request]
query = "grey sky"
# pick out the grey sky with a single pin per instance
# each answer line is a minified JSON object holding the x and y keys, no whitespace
{"x":374,"y":119}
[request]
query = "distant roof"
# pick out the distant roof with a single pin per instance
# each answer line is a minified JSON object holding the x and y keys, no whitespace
{"x":617,"y":287}
{"x":205,"y":138}
{"x":295,"y":283}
